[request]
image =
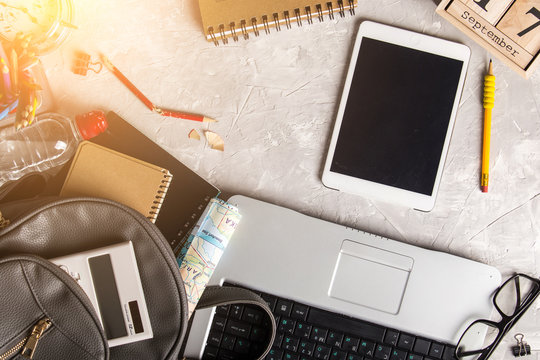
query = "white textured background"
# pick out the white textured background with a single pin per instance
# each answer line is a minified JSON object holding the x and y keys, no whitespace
{"x":275,"y":98}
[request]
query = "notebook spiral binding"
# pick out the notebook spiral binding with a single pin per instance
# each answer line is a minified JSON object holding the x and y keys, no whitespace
{"x":160,"y":195}
{"x":222,"y":33}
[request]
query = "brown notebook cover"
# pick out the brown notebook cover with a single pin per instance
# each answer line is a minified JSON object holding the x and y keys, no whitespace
{"x":224,"y":19}
{"x":188,"y":192}
{"x":98,"y":171}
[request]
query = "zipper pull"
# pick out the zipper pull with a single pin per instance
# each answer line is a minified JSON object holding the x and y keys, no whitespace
{"x":3,"y":221}
{"x":37,"y":331}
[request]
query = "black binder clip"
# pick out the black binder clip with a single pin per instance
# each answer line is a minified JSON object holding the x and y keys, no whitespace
{"x":522,"y":348}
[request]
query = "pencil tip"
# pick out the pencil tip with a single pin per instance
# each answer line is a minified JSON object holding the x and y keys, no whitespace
{"x":207,"y":119}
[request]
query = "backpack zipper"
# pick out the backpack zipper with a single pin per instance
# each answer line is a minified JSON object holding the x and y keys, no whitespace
{"x":3,"y":223}
{"x":29,"y":343}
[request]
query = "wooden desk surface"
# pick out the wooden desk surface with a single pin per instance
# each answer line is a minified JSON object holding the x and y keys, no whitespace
{"x":276,"y":97}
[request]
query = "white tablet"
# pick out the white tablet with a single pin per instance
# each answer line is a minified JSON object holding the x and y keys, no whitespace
{"x":396,"y":115}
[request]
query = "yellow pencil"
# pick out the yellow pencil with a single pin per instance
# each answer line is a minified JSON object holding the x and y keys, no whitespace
{"x":489,"y":101}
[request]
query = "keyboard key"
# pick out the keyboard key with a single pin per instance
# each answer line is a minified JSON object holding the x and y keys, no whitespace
{"x":222,"y":310}
{"x":270,"y":300}
{"x":449,"y":353}
{"x":334,"y":339}
{"x":290,"y":343}
{"x":302,"y":330}
{"x":258,"y":334}
{"x":436,"y":350}
{"x":278,"y":339}
{"x":227,"y":342}
{"x":252,"y":316}
{"x":391,"y":337}
{"x":382,"y":352}
{"x":274,"y":354}
{"x":238,"y":328}
{"x":291,"y":356}
{"x":336,"y":354}
{"x":366,"y":348}
{"x":236,"y":311}
{"x":355,"y":327}
{"x":219,"y":323}
{"x":242,"y":346}
{"x":406,"y":341}
{"x":210,"y":353}
{"x":214,"y":338}
{"x":354,"y":357}
{"x":412,"y":356}
{"x":398,"y":355}
{"x":306,"y":348}
{"x":319,"y":334}
{"x":299,"y":312}
{"x":283,"y":307}
{"x":422,"y":346}
{"x":350,"y":343}
{"x":277,"y":319}
{"x":322,"y":352}
{"x":286,"y":326}
{"x":227,"y":355}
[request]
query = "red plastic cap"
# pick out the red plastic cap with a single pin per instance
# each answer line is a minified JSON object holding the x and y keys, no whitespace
{"x":91,"y":124}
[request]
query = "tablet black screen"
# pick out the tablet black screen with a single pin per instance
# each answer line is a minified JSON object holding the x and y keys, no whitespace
{"x":396,"y":116}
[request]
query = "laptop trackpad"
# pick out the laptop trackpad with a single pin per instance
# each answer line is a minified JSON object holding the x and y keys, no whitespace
{"x":370,"y":277}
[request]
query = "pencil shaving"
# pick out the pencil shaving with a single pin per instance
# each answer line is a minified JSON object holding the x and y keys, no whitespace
{"x":193,"y":134}
{"x":214,"y":140}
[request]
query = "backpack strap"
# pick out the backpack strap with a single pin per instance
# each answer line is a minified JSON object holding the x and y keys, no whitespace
{"x":227,"y":295}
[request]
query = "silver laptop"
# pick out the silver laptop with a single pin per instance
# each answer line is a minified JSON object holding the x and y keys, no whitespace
{"x":400,"y":288}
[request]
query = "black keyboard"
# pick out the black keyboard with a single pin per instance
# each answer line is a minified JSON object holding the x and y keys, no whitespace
{"x":308,"y":333}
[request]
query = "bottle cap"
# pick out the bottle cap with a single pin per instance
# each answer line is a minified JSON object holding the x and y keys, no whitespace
{"x":91,"y":124}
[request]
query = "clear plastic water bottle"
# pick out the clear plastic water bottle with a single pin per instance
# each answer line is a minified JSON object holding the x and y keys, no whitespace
{"x":48,"y":143}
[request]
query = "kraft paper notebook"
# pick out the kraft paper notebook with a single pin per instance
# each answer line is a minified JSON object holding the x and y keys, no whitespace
{"x":187,"y":196}
{"x":223,"y":19}
{"x":98,"y":171}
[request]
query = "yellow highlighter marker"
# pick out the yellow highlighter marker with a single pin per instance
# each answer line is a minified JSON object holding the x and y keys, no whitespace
{"x":489,"y":101}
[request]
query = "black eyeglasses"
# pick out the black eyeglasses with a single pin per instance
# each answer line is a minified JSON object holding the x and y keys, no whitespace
{"x":511,"y":300}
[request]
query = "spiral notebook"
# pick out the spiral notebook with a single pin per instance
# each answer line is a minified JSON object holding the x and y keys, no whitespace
{"x":98,"y":171}
{"x":224,"y":19}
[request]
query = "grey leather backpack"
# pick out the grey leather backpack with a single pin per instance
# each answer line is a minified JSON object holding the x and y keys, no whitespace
{"x":45,"y":315}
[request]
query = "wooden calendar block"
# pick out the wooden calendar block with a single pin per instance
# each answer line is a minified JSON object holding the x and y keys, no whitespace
{"x":490,"y":10}
{"x":522,"y":24}
{"x":514,"y":38}
{"x":489,"y":33}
